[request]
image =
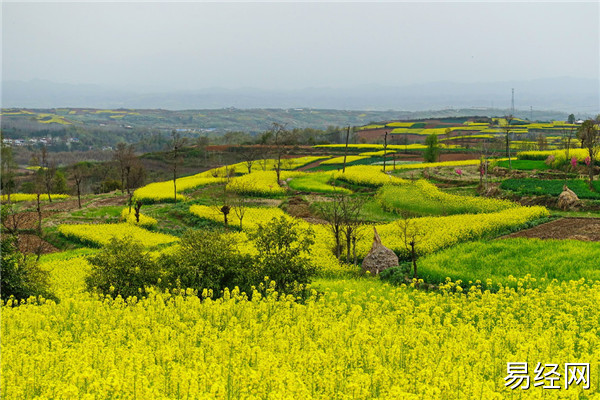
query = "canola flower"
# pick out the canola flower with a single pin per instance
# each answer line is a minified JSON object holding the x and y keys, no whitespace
{"x":316,"y":182}
{"x":101,"y":234}
{"x":145,"y":221}
{"x":261,"y":183}
{"x":340,"y":160}
{"x":414,"y":146}
{"x":164,"y":191}
{"x":434,"y":233}
{"x":368,"y":175}
{"x":559,"y":155}
{"x":379,"y":153}
{"x":423,"y":194}
{"x":18,"y":197}
{"x":358,"y":340}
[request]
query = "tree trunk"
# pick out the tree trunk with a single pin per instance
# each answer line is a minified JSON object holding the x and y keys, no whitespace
{"x":348,"y":245}
{"x":79,"y":194}
{"x":354,"y":250}
{"x":39,"y":212}
{"x":591,"y":173}
{"x":384,"y":149}
{"x":413,"y":254}
{"x":338,"y":245}
{"x":175,"y":184}
{"x":346,"y":149}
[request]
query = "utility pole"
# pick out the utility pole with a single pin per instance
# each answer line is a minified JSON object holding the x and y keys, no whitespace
{"x":512,"y":103}
{"x":531,"y":113}
{"x":384,"y":149}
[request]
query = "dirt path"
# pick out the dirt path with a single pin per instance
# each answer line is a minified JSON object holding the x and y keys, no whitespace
{"x":311,"y":165}
{"x":585,"y":229}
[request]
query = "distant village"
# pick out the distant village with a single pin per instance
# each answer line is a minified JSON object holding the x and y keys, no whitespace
{"x":42,"y":141}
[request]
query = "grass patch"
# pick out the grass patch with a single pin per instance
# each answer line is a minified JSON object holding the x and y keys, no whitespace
{"x":316,"y":183}
{"x":551,"y":187}
{"x":498,"y":260}
{"x":421,"y":198}
{"x":526,"y":165}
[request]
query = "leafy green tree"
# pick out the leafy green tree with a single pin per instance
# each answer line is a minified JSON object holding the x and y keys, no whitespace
{"x":432,"y":152}
{"x":59,"y":184}
{"x":8,"y":167}
{"x":122,"y":267}
{"x":571,"y":119}
{"x":590,"y":140}
{"x":20,"y":276}
{"x":282,"y":252}
{"x":206,"y":260}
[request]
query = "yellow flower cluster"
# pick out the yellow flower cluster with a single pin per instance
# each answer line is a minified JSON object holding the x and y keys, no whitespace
{"x":435,"y":233}
{"x":164,"y":191}
{"x":340,"y":160}
{"x":379,"y":153}
{"x":414,"y":146}
{"x":145,"y":221}
{"x":359,"y":340}
{"x":459,"y":163}
{"x":370,"y":175}
{"x":579,"y":154}
{"x":321,"y":253}
{"x":101,"y":234}
{"x":261,"y":183}
{"x":18,"y":197}
{"x":421,"y":191}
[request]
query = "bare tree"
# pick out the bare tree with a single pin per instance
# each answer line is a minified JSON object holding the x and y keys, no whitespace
{"x":332,"y":212}
{"x":279,"y":133}
{"x":384,"y":148}
{"x":48,"y":169}
{"x":138,"y":206}
{"x":352,"y":222}
{"x":80,"y":172}
{"x":507,"y":128}
{"x":239,"y":205}
{"x":343,"y":214}
{"x":250,"y":154}
{"x":412,"y":235}
{"x":346,"y":149}
{"x":177,"y":143}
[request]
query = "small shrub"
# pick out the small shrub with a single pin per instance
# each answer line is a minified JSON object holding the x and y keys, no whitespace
{"x":123,"y":268}
{"x":20,"y":276}
{"x":206,"y":260}
{"x":282,"y":253}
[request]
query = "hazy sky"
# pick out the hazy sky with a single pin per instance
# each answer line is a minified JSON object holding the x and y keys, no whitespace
{"x":168,"y":46}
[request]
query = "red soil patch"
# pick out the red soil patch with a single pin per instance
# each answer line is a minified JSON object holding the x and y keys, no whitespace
{"x":585,"y":229}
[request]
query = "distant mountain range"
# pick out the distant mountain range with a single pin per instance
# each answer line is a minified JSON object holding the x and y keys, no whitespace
{"x":571,"y":95}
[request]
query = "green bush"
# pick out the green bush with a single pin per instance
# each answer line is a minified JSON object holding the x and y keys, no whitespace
{"x":20,"y":276}
{"x":282,"y":253}
{"x":206,"y":260}
{"x":122,"y":267}
{"x":432,"y":152}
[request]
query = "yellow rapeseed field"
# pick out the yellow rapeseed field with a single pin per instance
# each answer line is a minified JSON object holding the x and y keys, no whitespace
{"x":361,"y":340}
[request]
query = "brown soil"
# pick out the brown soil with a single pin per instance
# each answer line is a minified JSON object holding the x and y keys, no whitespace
{"x":311,"y":165}
{"x":585,"y":229}
{"x":32,"y":244}
{"x":298,"y":207}
{"x":25,"y":220}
